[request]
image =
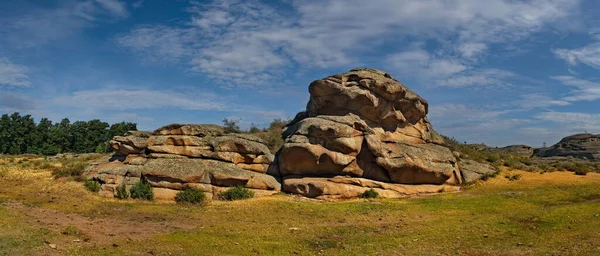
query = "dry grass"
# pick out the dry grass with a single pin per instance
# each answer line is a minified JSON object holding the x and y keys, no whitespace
{"x":539,"y":214}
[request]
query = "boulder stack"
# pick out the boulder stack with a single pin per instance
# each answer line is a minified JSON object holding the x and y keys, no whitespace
{"x":363,"y":129}
{"x":178,"y":156}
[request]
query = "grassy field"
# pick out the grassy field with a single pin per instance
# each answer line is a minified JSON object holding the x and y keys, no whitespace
{"x":553,"y":213}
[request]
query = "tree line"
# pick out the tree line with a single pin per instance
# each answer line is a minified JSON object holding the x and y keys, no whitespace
{"x":19,"y":134}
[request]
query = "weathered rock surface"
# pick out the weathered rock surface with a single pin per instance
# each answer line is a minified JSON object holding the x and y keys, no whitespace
{"x":347,"y":187}
{"x":132,"y":143}
{"x":523,"y":150}
{"x":472,"y":171}
{"x":363,"y":124}
{"x":583,"y":146}
{"x":178,"y":156}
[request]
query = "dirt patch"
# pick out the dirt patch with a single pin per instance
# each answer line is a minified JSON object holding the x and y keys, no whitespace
{"x":94,"y":231}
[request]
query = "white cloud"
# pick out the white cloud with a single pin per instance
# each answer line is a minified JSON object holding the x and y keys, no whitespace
{"x":589,"y":55}
{"x":141,"y":99}
{"x":573,"y":121}
{"x":40,"y":25}
{"x":471,"y":50}
{"x":420,"y":63}
{"x":457,"y":115}
{"x":115,"y":7}
{"x":13,"y":74}
{"x":234,"y":40}
{"x":539,"y":100}
{"x":586,"y":90}
{"x":11,"y":102}
{"x":479,"y":78}
{"x":160,"y":43}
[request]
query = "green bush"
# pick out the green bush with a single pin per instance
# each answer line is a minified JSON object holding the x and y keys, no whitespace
{"x":582,"y":172}
{"x":236,"y":193}
{"x":141,"y":190}
{"x":92,"y":185}
{"x":370,"y":193}
{"x":122,"y":191}
{"x":190,"y":195}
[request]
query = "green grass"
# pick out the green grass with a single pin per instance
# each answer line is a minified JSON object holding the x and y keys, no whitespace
{"x":16,"y":237}
{"x":555,"y":213}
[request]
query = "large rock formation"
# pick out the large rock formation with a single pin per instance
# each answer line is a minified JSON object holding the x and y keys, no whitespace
{"x":583,"y":146}
{"x":363,"y":129}
{"x":178,"y":156}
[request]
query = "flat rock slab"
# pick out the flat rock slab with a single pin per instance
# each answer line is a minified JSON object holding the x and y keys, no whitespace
{"x":346,"y":187}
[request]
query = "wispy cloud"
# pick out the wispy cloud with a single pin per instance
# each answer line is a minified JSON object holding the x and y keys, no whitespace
{"x":42,"y":25}
{"x":233,"y":40}
{"x":589,"y":55}
{"x":573,"y":121}
{"x":13,"y":74}
{"x":586,"y":90}
{"x":539,"y":100}
{"x":12,"y":102}
{"x":141,"y":99}
{"x":115,"y":7}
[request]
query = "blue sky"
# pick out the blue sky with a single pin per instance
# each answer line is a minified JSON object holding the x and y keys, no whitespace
{"x":498,"y":71}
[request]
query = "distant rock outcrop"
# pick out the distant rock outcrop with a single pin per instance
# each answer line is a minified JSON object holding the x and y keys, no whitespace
{"x":523,"y":150}
{"x":363,"y":129}
{"x":583,"y":146}
{"x":178,"y":156}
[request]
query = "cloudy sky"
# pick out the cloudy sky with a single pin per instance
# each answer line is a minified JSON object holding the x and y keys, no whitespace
{"x":497,"y":71}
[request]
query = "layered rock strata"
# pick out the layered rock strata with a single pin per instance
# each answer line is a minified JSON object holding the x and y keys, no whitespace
{"x":364,"y":129}
{"x":178,"y":156}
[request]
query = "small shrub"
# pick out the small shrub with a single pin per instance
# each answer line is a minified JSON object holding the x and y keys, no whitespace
{"x":513,"y":177}
{"x":526,"y":161}
{"x":73,"y":169}
{"x":236,"y":193}
{"x":487,"y":176}
{"x":190,"y":195}
{"x":582,"y":172}
{"x":92,"y":185}
{"x":492,"y":158}
{"x":122,"y":192}
{"x":370,"y":193}
{"x":512,"y":163}
{"x":141,"y":190}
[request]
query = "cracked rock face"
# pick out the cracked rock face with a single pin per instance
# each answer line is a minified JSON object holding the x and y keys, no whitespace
{"x":364,"y":124}
{"x":178,"y":156}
